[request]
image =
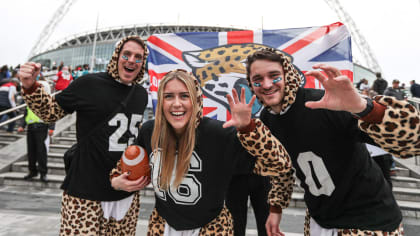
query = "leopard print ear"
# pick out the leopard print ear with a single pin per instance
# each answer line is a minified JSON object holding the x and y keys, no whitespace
{"x":112,"y":67}
{"x":199,"y":100}
{"x":292,"y":82}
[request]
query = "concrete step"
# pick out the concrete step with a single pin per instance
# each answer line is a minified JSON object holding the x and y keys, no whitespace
{"x":410,"y":209}
{"x":297,"y":188}
{"x":68,"y":133}
{"x":16,"y":179}
{"x":4,"y":136}
{"x":400,"y":171}
{"x":32,"y":191}
{"x":405,"y":182}
{"x":397,"y":181}
{"x":4,"y":143}
{"x":59,"y":148}
{"x":63,"y":140}
{"x":55,"y":168}
{"x":297,"y":200}
{"x":406,"y":194}
{"x":55,"y":157}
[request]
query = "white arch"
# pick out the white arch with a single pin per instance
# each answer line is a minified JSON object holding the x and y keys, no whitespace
{"x":50,"y":27}
{"x":357,"y":36}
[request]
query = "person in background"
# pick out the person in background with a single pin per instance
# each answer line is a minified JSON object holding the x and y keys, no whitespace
{"x":37,"y":141}
{"x":256,"y":188}
{"x":415,"y":89}
{"x":75,"y":72}
{"x":4,"y":72}
{"x":394,"y":90}
{"x":379,"y":84}
{"x":383,"y":159}
{"x":148,"y":113}
{"x":85,"y":70}
{"x":358,"y":84}
{"x":365,"y":85}
{"x":64,"y":78}
{"x":8,"y":100}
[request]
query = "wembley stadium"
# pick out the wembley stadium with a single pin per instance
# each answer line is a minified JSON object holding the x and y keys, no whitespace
{"x":78,"y":49}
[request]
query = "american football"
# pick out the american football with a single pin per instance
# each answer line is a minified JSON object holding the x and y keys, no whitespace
{"x":136,"y":162}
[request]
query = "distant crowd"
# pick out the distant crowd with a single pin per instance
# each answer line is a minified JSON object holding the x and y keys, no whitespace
{"x":58,"y":77}
{"x":380,"y":87}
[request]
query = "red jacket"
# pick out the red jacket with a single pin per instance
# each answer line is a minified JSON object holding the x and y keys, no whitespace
{"x":63,"y":80}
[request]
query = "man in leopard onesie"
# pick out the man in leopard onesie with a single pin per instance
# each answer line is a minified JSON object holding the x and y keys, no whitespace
{"x":324,"y":132}
{"x":90,"y":206}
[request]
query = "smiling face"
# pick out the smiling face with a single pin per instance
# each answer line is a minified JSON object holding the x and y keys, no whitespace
{"x":130,"y":61}
{"x":267,"y":81}
{"x":177,"y":105}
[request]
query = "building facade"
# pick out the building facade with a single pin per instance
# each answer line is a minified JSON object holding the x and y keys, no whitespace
{"x":78,"y":50}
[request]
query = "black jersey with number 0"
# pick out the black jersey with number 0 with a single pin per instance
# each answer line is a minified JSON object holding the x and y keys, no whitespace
{"x":94,"y":97}
{"x":344,"y":188}
{"x":199,"y":199}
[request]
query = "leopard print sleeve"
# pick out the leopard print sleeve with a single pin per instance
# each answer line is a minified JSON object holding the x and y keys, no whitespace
{"x":272,"y":157}
{"x":281,"y":189}
{"x":116,"y":171}
{"x":399,"y":131}
{"x":43,"y":104}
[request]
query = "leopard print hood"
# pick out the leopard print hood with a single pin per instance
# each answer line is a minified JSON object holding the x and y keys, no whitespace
{"x":112,"y":68}
{"x":292,"y":80}
{"x":199,"y":98}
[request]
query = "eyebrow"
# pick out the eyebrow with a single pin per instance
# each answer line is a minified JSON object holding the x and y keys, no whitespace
{"x":130,"y":52}
{"x":269,"y":73}
{"x":178,"y":93}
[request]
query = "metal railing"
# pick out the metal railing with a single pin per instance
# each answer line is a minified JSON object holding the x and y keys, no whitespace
{"x":15,"y":109}
{"x":415,"y":102}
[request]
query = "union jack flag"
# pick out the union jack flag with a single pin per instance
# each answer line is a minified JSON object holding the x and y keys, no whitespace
{"x":217,"y":59}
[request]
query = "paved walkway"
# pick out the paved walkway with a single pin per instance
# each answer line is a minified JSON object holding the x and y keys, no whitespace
{"x":18,"y":223}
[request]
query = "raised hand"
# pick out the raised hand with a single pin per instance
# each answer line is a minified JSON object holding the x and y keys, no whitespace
{"x":340,"y":94}
{"x":241,"y":111}
{"x":28,"y":73}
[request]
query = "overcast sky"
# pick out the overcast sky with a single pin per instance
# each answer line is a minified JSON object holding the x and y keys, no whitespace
{"x":391,"y":27}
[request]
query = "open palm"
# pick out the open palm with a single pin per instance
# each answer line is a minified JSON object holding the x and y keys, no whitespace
{"x":241,"y":111}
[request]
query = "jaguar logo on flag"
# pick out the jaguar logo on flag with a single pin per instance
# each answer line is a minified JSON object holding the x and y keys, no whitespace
{"x":218,"y":59}
{"x":221,"y":69}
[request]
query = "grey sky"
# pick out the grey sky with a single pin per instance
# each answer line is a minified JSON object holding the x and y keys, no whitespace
{"x":392,"y":28}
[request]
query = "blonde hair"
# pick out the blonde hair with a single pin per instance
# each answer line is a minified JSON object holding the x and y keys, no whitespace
{"x":164,"y":138}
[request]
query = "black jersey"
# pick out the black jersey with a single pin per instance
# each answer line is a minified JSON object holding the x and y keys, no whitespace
{"x":199,"y":199}
{"x":344,"y":188}
{"x":94,"y":97}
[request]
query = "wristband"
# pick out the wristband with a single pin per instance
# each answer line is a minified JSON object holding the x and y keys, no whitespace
{"x":367,"y":110}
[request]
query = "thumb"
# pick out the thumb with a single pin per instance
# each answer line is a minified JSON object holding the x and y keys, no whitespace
{"x":125,"y":175}
{"x":37,"y":66}
{"x":313,"y":105}
{"x":228,"y":124}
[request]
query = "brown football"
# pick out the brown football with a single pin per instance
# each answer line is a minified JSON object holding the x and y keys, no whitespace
{"x":136,"y":162}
